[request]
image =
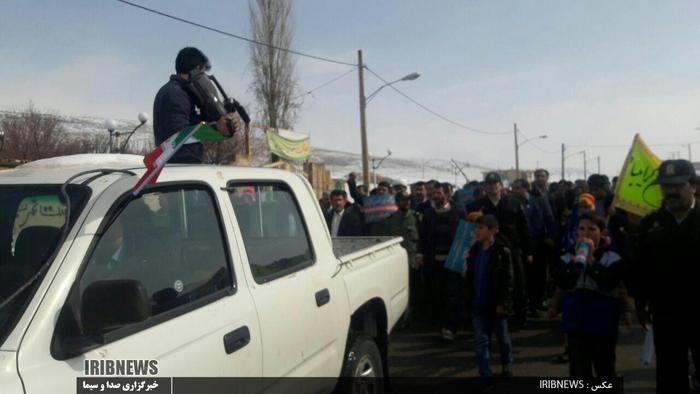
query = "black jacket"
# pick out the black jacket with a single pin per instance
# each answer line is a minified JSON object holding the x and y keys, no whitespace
{"x":350,"y":224}
{"x":512,"y":221}
{"x":500,"y":284}
{"x":665,"y":271}
{"x":173,"y":110}
{"x":354,"y":193}
{"x":427,"y":236}
{"x":540,"y":218}
{"x":607,"y":277}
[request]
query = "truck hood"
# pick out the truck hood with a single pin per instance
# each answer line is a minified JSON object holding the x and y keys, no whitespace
{"x":9,"y":378}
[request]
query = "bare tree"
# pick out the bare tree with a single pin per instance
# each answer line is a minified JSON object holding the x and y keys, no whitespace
{"x":275,"y":82}
{"x":31,"y":135}
{"x":93,"y":143}
{"x":222,"y":152}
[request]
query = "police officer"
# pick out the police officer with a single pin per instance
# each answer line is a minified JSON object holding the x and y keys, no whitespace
{"x":665,"y":273}
{"x":174,"y":107}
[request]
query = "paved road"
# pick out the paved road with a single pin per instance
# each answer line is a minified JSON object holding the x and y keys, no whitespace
{"x":418,"y":351}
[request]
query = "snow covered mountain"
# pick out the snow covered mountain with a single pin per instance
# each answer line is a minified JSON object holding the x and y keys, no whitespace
{"x":339,"y":163}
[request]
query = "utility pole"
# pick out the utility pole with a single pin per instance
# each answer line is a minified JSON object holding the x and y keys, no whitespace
{"x":599,"y":165}
{"x":563,"y":174}
{"x":363,"y":121}
{"x":690,"y":154}
{"x":585,"y":164}
{"x":517,"y":159}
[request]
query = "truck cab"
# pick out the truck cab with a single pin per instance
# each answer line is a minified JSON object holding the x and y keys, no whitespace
{"x":213,"y":271}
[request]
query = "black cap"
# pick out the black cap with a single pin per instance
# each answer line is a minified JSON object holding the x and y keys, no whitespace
{"x":492,"y":177}
{"x":675,"y":171}
{"x":597,"y":180}
{"x":489,"y":221}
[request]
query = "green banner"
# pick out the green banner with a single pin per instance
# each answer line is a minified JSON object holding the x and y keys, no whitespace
{"x":287,"y":148}
{"x":635,"y":191}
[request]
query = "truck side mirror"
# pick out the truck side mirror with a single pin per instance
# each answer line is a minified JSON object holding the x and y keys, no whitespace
{"x":109,"y":304}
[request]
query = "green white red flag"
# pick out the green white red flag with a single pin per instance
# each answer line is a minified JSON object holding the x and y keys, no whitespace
{"x":156,"y":159}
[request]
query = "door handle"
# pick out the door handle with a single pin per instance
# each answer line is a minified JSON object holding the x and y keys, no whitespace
{"x":322,"y":297}
{"x":236,"y":339}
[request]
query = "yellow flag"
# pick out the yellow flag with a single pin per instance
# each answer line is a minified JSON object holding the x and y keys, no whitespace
{"x":635,"y":191}
{"x":288,"y":145}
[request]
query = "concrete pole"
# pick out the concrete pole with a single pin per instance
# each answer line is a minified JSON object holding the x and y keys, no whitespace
{"x":363,"y":122}
{"x":563,"y":174}
{"x":517,"y":159}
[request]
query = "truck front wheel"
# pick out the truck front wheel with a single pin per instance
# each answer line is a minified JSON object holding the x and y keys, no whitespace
{"x":362,"y":368}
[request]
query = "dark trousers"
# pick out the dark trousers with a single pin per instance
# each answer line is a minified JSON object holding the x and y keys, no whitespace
{"x":433,"y":274}
{"x":675,"y":334}
{"x":588,"y":352}
{"x":536,"y":277}
{"x":519,"y":286}
{"x":454,"y":312}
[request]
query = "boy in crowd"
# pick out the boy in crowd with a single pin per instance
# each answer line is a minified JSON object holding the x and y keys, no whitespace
{"x":489,"y":290}
{"x":591,"y":306}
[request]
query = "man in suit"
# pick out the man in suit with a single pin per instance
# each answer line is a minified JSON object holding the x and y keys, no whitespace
{"x":342,"y":222}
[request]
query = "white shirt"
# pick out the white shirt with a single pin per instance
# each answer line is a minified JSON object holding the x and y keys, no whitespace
{"x":335,"y":222}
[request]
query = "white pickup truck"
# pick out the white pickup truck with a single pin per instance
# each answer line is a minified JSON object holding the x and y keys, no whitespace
{"x":212,"y":272}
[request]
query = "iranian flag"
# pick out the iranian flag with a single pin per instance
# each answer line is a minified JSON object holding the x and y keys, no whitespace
{"x":155,"y":161}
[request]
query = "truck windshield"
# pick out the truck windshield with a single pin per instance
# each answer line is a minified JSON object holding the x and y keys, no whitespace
{"x":32,"y":218}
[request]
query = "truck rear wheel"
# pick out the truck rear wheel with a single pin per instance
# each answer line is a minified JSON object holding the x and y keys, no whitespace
{"x":362,"y":368}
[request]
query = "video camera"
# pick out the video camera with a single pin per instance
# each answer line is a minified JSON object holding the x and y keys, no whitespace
{"x":205,"y":90}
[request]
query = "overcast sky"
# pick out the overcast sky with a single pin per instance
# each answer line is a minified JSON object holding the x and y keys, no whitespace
{"x":582,"y":72}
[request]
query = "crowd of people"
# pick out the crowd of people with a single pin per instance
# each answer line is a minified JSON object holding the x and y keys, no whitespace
{"x":542,"y":249}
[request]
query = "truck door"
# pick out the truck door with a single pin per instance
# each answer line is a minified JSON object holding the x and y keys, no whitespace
{"x":201,"y":320}
{"x":279,"y":252}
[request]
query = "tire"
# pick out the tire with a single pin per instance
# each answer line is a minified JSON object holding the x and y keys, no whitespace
{"x":362,"y":368}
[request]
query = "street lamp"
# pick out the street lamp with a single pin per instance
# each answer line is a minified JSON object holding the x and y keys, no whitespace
{"x":518,"y":145}
{"x":2,"y":139}
{"x":143,"y":118}
{"x":111,"y":126}
{"x":363,"y":106}
{"x":585,"y":164}
{"x":409,"y":77}
{"x":375,"y":167}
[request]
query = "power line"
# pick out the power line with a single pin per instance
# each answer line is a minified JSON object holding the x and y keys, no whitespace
{"x":189,"y":22}
{"x":327,"y":83}
{"x":446,"y":119}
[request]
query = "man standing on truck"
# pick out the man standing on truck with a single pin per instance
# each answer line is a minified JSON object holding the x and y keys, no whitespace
{"x":174,"y":107}
{"x":438,"y":229}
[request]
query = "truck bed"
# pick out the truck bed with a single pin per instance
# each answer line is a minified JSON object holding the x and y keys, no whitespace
{"x":351,"y":248}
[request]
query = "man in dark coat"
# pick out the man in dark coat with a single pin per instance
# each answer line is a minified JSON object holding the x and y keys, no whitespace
{"x":341,"y":221}
{"x":436,"y":234}
{"x":665,"y":273}
{"x":174,"y":107}
{"x":543,"y":234}
{"x":514,"y":228}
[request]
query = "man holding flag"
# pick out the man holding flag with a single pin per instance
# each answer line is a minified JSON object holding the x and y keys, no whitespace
{"x":174,"y":108}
